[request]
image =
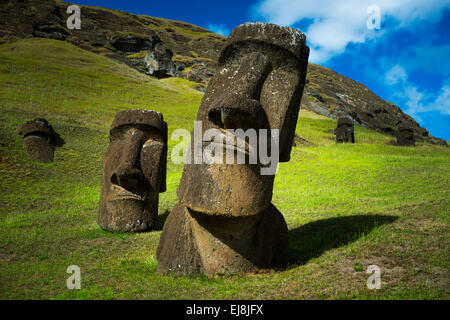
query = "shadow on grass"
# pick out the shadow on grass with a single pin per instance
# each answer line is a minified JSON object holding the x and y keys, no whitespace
{"x":312,"y":239}
{"x":161,"y":220}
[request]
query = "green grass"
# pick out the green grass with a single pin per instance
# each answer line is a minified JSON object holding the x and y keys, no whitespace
{"x":347,"y":206}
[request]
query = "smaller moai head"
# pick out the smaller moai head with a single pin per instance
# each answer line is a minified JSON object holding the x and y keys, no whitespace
{"x":405,"y":135}
{"x":345,"y":130}
{"x":134,"y":171}
{"x":40,"y":140}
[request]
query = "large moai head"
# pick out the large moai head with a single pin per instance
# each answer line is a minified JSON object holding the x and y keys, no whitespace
{"x":224,"y":221}
{"x":405,"y":135}
{"x":134,"y":171}
{"x":40,"y":140}
{"x":258,"y":84}
{"x":345,"y":130}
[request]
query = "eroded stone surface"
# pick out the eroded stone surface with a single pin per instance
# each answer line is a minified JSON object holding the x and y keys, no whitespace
{"x":134,"y":171}
{"x":159,"y":60}
{"x":40,"y":140}
{"x":224,"y":221}
{"x":345,"y":130}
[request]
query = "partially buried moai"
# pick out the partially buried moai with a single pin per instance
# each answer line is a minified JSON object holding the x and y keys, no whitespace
{"x":40,"y":140}
{"x":224,"y":221}
{"x":405,"y":135}
{"x":134,"y":171}
{"x":345,"y":130}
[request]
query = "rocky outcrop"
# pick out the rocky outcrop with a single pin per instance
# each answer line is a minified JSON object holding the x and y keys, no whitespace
{"x":50,"y":32}
{"x":158,"y":60}
{"x":130,"y":44}
{"x":119,"y":35}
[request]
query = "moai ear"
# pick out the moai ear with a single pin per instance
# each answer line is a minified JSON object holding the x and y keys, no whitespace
{"x":151,"y":155}
{"x":163,"y":161}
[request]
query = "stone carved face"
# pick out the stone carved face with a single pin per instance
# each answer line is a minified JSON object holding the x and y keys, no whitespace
{"x":405,"y":135}
{"x":345,"y":130}
{"x":258,"y":84}
{"x":134,"y":171}
{"x":40,"y":140}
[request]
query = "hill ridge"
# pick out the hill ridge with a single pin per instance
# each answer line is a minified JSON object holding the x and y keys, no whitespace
{"x":188,"y":51}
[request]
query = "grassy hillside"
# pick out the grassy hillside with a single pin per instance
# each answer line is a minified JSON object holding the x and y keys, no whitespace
{"x":347,"y":206}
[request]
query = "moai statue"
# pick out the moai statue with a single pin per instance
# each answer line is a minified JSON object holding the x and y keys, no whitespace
{"x":224,"y":221}
{"x":134,"y":171}
{"x":405,"y":135}
{"x":345,"y":131}
{"x":40,"y":140}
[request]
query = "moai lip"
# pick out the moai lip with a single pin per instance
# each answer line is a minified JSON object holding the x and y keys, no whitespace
{"x":405,"y":135}
{"x":224,"y":221}
{"x":134,"y":171}
{"x":40,"y":140}
{"x":345,"y":130}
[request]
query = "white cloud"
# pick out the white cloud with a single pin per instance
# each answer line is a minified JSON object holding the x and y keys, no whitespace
{"x":219,"y":29}
{"x":416,"y":101}
{"x":331,"y":24}
{"x":395,"y":74}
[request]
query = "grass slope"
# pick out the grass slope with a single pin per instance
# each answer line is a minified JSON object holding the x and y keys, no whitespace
{"x":347,"y":206}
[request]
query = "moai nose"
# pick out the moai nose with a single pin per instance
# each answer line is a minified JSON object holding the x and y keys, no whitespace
{"x":129,"y":173}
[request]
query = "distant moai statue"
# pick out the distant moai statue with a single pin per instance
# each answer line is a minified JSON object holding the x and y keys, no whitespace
{"x":40,"y":140}
{"x":405,"y":135}
{"x":224,"y":221}
{"x":345,"y":130}
{"x":134,"y":171}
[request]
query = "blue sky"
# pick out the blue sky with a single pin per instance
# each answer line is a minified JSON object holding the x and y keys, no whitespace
{"x":398,"y":49}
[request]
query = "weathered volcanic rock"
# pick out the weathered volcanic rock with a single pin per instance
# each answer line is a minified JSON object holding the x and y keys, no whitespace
{"x":40,"y":140}
{"x":224,"y":221}
{"x":159,"y":60}
{"x":345,"y":130}
{"x":55,"y":32}
{"x":134,"y":171}
{"x":129,"y":43}
{"x":208,"y":244}
{"x":405,"y":135}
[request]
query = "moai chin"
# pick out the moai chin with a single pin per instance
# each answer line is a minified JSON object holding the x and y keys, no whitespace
{"x":40,"y":140}
{"x":405,"y":135}
{"x":224,"y":221}
{"x":345,"y":130}
{"x":134,"y":171}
